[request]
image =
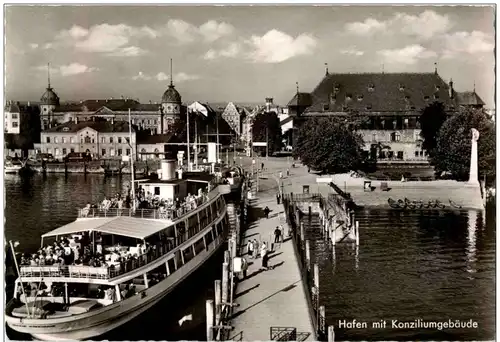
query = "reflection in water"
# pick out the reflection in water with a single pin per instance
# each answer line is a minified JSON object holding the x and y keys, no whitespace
{"x":471,"y":241}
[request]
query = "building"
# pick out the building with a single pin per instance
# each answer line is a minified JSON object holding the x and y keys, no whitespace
{"x":154,"y":117}
{"x":12,"y":114}
{"x":387,"y":105}
{"x":235,"y":116}
{"x":101,"y":139}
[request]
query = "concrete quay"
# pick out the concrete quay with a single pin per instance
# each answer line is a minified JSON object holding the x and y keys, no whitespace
{"x":276,"y":297}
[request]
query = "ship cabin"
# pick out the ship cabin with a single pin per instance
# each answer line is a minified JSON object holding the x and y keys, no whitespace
{"x":107,"y":256}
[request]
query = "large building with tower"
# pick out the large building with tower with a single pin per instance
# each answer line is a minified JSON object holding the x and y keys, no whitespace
{"x":387,"y":105}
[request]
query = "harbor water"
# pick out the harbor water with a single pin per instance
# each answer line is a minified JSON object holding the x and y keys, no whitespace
{"x":434,"y":266}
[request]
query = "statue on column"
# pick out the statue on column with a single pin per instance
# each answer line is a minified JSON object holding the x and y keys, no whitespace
{"x":473,"y":173}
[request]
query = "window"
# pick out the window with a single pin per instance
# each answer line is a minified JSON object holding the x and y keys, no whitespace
{"x":422,"y":153}
{"x":112,"y":152}
{"x":406,"y":123}
{"x":72,"y":140}
{"x":72,"y":150}
{"x":400,"y":155}
{"x":56,"y":151}
{"x":56,"y":140}
{"x":127,"y":151}
{"x":64,"y":151}
{"x":426,"y":98}
{"x":157,"y":190}
{"x":14,"y":116}
{"x":368,"y":106}
{"x":110,"y":140}
{"x":93,"y":140}
{"x":63,"y":140}
{"x":45,"y":109}
{"x":416,"y":153}
{"x":437,"y":88}
{"x":15,"y":124}
{"x":103,"y":140}
{"x":401,"y":87}
{"x":149,"y":122}
{"x":390,"y":154}
{"x":87,"y":140}
{"x":119,"y":151}
{"x":395,"y":136}
{"x":103,"y":152}
{"x":348,"y":97}
{"x":119,"y":140}
{"x":65,"y":129}
{"x":48,"y":140}
{"x":436,"y":96}
{"x":360,"y":98}
{"x":326,"y":107}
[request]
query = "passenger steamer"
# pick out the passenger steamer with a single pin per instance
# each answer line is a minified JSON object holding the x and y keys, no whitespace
{"x":80,"y":302}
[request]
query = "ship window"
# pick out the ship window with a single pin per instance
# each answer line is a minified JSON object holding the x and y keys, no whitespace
{"x":214,"y":209}
{"x":193,"y":225}
{"x":171,"y":266}
{"x":209,"y":238}
{"x":199,"y":246}
{"x":214,"y":232}
{"x":188,"y":254}
{"x":181,"y":232}
{"x":219,"y":228}
{"x":157,"y":190}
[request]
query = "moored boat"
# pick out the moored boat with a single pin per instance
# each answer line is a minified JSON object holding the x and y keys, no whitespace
{"x":12,"y":166}
{"x":112,"y":264}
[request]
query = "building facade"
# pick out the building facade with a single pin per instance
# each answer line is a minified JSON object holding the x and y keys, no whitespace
{"x":235,"y":116}
{"x":100,"y":139}
{"x":386,"y":106}
{"x":12,"y":115}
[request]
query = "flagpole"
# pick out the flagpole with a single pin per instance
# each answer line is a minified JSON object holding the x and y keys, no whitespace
{"x":217,"y":125}
{"x":20,"y":279}
{"x":196,"y":141}
{"x":131,"y":159}
{"x":188,"y":149}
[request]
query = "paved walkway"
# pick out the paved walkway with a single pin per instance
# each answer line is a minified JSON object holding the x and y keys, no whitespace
{"x":273,"y":298}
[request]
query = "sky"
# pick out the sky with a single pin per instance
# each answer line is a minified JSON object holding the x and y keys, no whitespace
{"x":238,"y":53}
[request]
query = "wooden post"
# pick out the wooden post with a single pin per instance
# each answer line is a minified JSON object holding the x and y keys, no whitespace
{"x":308,"y":255}
{"x":210,"y":319}
{"x":302,"y":231}
{"x":357,"y":233}
{"x":322,"y":320}
{"x":331,"y":333}
{"x":316,"y":276}
{"x":225,"y":282}
{"x":310,"y":212}
{"x":334,"y":232}
{"x":218,"y":300}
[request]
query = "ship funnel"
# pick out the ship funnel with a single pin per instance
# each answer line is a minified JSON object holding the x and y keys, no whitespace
{"x":167,"y":169}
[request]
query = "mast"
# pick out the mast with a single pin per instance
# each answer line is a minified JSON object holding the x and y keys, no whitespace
{"x":267,"y":143}
{"x":217,"y":127}
{"x":196,"y":141}
{"x":131,"y":159}
{"x":48,"y":75}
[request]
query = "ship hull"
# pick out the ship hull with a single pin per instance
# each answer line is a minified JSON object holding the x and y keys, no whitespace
{"x":105,"y":320}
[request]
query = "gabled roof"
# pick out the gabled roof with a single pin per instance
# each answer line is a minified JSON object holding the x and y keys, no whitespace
{"x":12,"y":107}
{"x":379,"y":92}
{"x":138,"y":228}
{"x":469,"y":98}
{"x":113,"y":104}
{"x":99,"y":126}
{"x":304,"y":100}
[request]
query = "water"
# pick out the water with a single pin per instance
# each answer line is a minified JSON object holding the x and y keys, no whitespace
{"x":39,"y":204}
{"x":409,"y":265}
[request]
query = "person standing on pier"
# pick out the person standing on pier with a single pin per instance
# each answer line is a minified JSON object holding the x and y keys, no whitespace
{"x":277,"y":235}
{"x":263,"y":254}
{"x":267,"y":211}
{"x":278,"y":197}
{"x":250,"y":248}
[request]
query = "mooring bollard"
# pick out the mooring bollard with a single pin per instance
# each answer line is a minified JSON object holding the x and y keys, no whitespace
{"x":331,"y":333}
{"x":210,"y":319}
{"x":218,"y":301}
{"x":308,"y":255}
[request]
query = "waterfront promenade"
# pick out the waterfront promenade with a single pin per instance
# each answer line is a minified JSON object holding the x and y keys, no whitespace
{"x":272,"y":298}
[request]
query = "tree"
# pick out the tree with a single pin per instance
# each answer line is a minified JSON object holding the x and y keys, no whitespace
{"x":453,"y":146}
{"x":329,"y":145}
{"x":431,"y":120}
{"x":266,"y":128}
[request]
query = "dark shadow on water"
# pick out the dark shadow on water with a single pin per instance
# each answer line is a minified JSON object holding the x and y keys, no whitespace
{"x":242,"y":293}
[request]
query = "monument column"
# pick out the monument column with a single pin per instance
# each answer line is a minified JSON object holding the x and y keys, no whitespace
{"x":473,"y":173}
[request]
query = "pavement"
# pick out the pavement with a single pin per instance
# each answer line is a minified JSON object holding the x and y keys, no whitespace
{"x":272,"y":298}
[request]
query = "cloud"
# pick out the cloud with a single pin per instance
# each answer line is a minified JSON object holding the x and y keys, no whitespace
{"x":68,"y":70}
{"x":33,"y":46}
{"x":425,"y":25}
{"x":210,"y":31}
{"x":161,"y":76}
{"x":352,"y":52}
{"x":475,"y":42}
{"x":141,"y":76}
{"x":129,"y":51}
{"x":233,"y":50}
{"x":182,"y":77}
{"x":113,"y":40}
{"x":407,"y":55}
{"x":276,"y":46}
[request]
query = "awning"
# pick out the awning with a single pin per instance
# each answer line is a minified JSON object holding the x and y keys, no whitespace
{"x":138,"y":228}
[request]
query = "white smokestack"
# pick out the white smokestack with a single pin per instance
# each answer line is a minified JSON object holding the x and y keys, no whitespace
{"x":167,"y":169}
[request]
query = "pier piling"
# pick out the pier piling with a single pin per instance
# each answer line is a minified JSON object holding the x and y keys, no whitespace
{"x":357,"y":233}
{"x":308,"y":255}
{"x":218,"y":301}
{"x":334,"y":232}
{"x":331,"y":333}
{"x":210,"y":319}
{"x":302,"y":231}
{"x":316,"y":276}
{"x":225,"y":282}
{"x":322,"y":320}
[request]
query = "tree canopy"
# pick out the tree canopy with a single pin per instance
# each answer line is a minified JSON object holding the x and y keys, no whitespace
{"x":431,"y":120}
{"x":329,"y":145}
{"x":453,"y":146}
{"x":266,"y":127}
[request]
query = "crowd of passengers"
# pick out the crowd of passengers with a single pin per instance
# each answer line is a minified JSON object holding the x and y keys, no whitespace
{"x":167,"y":208}
{"x":79,"y":251}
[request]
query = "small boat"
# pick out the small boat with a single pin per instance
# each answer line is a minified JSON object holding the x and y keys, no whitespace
{"x":119,"y":262}
{"x":12,"y":166}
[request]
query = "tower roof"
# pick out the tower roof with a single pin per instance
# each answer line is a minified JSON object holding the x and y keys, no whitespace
{"x":171,"y":95}
{"x":50,"y":97}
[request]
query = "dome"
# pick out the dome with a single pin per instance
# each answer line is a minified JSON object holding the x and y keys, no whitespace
{"x":171,"y":95}
{"x":50,"y":97}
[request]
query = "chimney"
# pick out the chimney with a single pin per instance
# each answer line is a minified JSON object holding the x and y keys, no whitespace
{"x":167,"y":169}
{"x":451,"y":89}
